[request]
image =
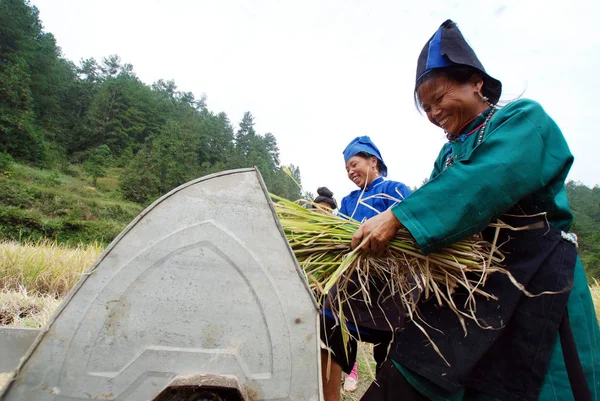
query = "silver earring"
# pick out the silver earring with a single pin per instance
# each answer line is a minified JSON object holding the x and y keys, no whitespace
{"x":485,"y":99}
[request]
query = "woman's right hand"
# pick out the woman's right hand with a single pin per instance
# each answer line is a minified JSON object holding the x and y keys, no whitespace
{"x":374,"y":234}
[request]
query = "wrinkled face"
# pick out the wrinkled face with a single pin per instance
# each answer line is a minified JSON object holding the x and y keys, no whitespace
{"x":361,"y":170}
{"x":449,"y":104}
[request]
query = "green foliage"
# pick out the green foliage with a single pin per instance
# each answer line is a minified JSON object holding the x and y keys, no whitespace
{"x":14,"y":195}
{"x":20,"y":225}
{"x":35,"y":204}
{"x":97,"y":162}
{"x":6,"y":163}
{"x":18,"y":134}
{"x":53,"y":201}
{"x":585,"y":204}
{"x":139,"y":183}
{"x":54,"y":156}
{"x":34,"y":81}
{"x":71,"y":170}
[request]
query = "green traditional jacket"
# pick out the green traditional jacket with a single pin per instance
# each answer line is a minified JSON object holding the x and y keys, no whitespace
{"x":523,"y":159}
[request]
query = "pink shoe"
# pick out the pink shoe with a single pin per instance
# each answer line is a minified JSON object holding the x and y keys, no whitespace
{"x":351,"y":382}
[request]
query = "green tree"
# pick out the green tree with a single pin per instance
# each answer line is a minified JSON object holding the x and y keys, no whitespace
{"x":19,"y":135}
{"x":97,"y":162}
{"x":585,"y":204}
{"x":244,"y":138}
{"x":139,"y":181}
{"x":166,"y":162}
{"x":176,"y":161}
{"x":287,"y":183}
{"x":216,"y":142}
{"x":6,"y":163}
{"x":34,"y":82}
{"x":19,"y":29}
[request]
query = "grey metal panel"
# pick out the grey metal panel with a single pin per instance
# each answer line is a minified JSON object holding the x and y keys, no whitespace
{"x":202,"y":282}
{"x":14,"y":343}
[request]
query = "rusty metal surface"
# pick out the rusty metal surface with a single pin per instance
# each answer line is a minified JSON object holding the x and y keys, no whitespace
{"x":201,"y":282}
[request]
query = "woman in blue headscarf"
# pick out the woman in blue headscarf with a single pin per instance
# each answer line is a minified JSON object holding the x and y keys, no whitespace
{"x":506,"y":163}
{"x":370,"y":323}
{"x":366,"y":169}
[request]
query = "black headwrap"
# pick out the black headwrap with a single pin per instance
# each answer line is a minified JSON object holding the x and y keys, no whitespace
{"x":325,"y":195}
{"x":448,"y":47}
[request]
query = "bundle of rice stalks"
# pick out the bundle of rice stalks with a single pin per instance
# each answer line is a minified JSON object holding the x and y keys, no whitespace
{"x":322,"y":245}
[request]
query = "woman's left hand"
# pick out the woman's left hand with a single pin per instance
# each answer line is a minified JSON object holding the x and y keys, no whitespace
{"x":376,"y":232}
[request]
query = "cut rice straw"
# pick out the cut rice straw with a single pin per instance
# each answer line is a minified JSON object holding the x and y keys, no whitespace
{"x":321,"y":243}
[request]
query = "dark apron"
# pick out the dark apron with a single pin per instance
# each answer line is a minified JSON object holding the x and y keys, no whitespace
{"x":384,"y":313}
{"x":509,"y":362}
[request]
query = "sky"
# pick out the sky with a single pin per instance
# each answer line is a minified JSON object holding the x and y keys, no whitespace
{"x":318,"y":73}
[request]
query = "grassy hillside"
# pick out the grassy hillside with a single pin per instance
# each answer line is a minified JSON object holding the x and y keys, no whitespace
{"x":41,"y":204}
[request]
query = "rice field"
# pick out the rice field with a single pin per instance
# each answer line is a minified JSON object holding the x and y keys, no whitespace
{"x":34,"y":277}
{"x":21,"y":309}
{"x":44,"y":267}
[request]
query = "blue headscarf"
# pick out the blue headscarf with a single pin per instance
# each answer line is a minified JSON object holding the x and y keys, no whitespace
{"x":364,"y":144}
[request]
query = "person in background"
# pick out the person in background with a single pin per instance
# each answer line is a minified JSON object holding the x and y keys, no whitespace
{"x":369,"y":323}
{"x":507,"y":163}
{"x":325,"y":200}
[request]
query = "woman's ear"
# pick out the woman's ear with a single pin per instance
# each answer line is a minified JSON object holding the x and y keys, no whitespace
{"x":477,"y":81}
{"x":374,"y":163}
{"x":479,"y":85}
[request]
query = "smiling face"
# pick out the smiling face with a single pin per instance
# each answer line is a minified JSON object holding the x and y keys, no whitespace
{"x":362,"y":170}
{"x":450,"y":104}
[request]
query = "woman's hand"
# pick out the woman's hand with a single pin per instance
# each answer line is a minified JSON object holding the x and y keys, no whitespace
{"x":376,"y":232}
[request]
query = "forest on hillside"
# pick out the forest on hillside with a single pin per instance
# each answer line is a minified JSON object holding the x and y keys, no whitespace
{"x":99,"y":114}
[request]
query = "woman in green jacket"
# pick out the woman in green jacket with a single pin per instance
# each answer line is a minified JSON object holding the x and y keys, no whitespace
{"x":506,"y":163}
